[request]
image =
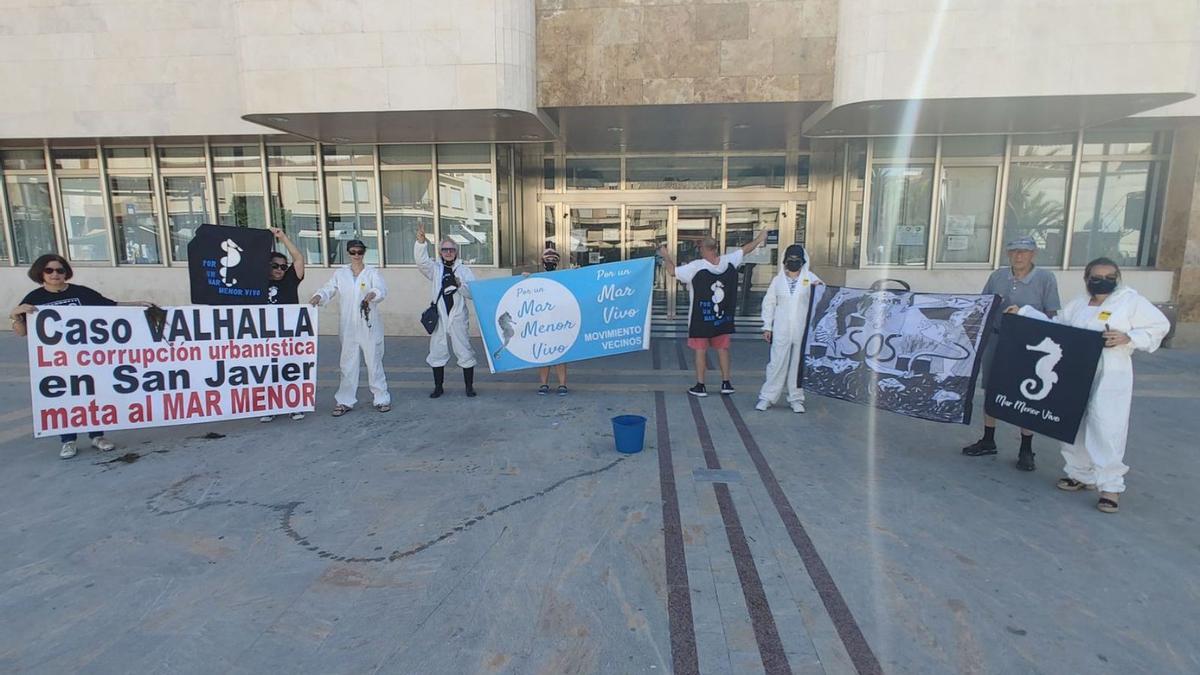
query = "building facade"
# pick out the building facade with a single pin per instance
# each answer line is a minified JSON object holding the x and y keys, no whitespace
{"x":897,"y":140}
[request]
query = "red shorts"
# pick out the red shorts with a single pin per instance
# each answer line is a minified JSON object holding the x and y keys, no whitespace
{"x":718,"y":342}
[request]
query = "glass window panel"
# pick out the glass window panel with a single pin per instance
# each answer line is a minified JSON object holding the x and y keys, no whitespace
{"x":32,"y":217}
{"x":240,"y":200}
{"x":235,"y":156}
{"x":349,"y":155}
{"x":549,"y":228}
{"x":127,"y":158}
{"x":647,"y":230}
{"x":548,"y":173}
{"x":759,"y":172}
{"x":184,"y":157}
{"x":856,"y":164}
{"x":673,"y":173}
{"x":803,"y":169}
{"x":75,"y":158}
{"x":1118,"y":143}
{"x":1113,"y":212}
{"x":350,"y":205}
{"x":692,"y":226}
{"x":800,"y":234}
{"x":968,"y":200}
{"x":291,"y":155}
{"x":187,"y":209}
{"x":83,"y":216}
{"x":901,"y":198}
{"x":1035,"y":206}
{"x":1059,"y":146}
{"x":593,"y":174}
{"x":973,"y":146}
{"x":135,"y":220}
{"x":461,"y":220}
{"x":741,"y":224}
{"x":296,"y":209}
{"x":23,"y":160}
{"x":464,"y":153}
{"x":595,"y":236}
{"x":905,"y":146}
{"x":405,"y":155}
{"x":407,"y":203}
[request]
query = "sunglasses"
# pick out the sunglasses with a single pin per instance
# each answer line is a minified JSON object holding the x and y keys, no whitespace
{"x":449,"y":250}
{"x":357,"y":251}
{"x":1111,"y":277}
{"x":53,"y":270}
{"x":277,"y":266}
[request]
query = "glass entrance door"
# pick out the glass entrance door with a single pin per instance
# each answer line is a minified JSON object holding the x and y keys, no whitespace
{"x":758,"y":268}
{"x":647,"y":227}
{"x":595,"y":235}
{"x":693,"y":224}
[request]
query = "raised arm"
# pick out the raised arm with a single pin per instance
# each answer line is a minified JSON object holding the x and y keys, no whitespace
{"x":668,"y":260}
{"x":421,"y":253}
{"x":293,"y":252}
{"x":755,"y":243}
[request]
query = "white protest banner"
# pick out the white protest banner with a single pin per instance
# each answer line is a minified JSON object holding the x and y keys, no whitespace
{"x":103,"y":368}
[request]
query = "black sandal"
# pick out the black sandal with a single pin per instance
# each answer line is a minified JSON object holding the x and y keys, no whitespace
{"x":1108,"y":504}
{"x":1072,"y":485}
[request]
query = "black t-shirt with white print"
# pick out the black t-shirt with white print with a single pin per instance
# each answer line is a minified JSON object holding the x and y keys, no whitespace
{"x":73,"y":294}
{"x":286,"y":291}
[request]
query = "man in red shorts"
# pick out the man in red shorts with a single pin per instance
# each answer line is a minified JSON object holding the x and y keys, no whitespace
{"x":712,"y":285}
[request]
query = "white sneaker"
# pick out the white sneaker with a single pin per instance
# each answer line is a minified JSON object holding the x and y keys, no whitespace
{"x":797,"y":407}
{"x":297,"y":416}
{"x":266,"y":418}
{"x":68,"y":450}
{"x":762,"y":404}
{"x":103,"y":444}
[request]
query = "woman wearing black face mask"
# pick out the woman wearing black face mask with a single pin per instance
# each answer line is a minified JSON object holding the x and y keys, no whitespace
{"x":1128,"y":322}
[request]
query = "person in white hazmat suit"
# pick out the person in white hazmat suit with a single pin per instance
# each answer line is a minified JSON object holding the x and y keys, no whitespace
{"x":1129,"y":322}
{"x":449,"y":289}
{"x":359,"y":289}
{"x":784,"y":316}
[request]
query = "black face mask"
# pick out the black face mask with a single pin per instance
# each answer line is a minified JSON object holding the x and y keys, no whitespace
{"x":550,"y":266}
{"x":1101,"y":286}
{"x":793,"y":265}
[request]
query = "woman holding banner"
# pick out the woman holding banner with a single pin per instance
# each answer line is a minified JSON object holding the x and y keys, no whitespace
{"x":449,"y":290}
{"x":52,"y":272}
{"x":1129,"y":322}
{"x":550,"y":260}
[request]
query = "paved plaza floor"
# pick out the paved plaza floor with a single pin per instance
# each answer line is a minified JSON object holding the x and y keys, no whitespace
{"x":503,"y":534}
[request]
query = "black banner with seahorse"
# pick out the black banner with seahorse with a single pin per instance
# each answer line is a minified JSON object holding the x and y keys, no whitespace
{"x":228,"y":265}
{"x":1042,"y":376}
{"x":916,"y":354}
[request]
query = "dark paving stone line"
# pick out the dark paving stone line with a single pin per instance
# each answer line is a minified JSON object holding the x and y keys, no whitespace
{"x":766,"y":634}
{"x":683,"y":365}
{"x":861,"y":654}
{"x":654,"y":358}
{"x":684,"y":657}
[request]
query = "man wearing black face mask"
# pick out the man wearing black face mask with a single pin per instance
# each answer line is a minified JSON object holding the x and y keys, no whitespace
{"x":550,"y":260}
{"x":784,"y":316}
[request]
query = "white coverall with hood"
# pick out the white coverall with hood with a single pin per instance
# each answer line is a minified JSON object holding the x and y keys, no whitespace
{"x":457,"y":324}
{"x":358,"y":334}
{"x":785,"y":313}
{"x":1098,"y":453}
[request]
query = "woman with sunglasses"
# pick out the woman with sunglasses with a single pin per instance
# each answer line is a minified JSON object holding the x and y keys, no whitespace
{"x":359,"y":288}
{"x":52,"y":272}
{"x":449,"y":289}
{"x":1128,"y":322}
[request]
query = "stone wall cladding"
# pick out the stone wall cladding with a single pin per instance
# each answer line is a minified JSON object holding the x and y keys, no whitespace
{"x":653,"y":52}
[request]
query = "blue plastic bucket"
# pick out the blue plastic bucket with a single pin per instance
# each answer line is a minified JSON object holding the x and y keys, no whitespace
{"x":629,"y":432}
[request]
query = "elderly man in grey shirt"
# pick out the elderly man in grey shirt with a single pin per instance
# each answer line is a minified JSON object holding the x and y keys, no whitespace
{"x":1019,"y":284}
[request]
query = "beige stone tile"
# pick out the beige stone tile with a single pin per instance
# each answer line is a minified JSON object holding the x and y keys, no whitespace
{"x":476,"y":86}
{"x":720,"y":89}
{"x":621,"y":92}
{"x":327,"y":16}
{"x":402,"y":48}
{"x":774,"y":20}
{"x":819,"y":18}
{"x":807,"y":55}
{"x":618,"y":25}
{"x":721,"y":22}
{"x":565,"y":27}
{"x":773,"y":88}
{"x":668,"y":91}
{"x":816,"y":87}
{"x":695,"y":59}
{"x":421,"y":87}
{"x":672,"y":22}
{"x":745,"y":57}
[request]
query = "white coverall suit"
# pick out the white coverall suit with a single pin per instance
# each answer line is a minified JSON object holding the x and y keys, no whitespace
{"x":1098,"y":453}
{"x":356,"y":334}
{"x":785,"y":313}
{"x":457,"y":323}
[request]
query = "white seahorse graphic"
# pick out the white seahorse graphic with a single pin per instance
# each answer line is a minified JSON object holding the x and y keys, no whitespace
{"x":231,"y":259}
{"x":1043,"y":370}
{"x":718,"y":294}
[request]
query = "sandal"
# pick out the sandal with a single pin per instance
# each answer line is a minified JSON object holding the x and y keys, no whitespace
{"x":1108,"y":502}
{"x":543,"y":390}
{"x":339,"y":410}
{"x":383,"y":407}
{"x":562,"y":390}
{"x":1072,"y":485}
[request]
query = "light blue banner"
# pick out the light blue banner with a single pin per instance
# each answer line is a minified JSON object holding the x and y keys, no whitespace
{"x":572,"y":315}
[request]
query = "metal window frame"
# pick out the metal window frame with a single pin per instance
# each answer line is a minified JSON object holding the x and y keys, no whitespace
{"x":978,"y":162}
{"x":155,"y":197}
{"x":100,"y":175}
{"x":401,"y":168}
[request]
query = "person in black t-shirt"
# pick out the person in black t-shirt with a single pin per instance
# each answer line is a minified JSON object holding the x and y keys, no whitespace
{"x":53,"y":271}
{"x":283,"y":284}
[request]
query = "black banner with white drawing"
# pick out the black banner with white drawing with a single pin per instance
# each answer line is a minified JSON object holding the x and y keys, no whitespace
{"x":229,"y":265}
{"x":1042,"y":376}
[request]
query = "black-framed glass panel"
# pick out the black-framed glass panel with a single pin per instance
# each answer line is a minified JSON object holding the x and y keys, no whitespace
{"x":466,"y":213}
{"x":187,"y":210}
{"x":973,"y":146}
{"x":593,"y":173}
{"x":135,"y":220}
{"x":121,"y":157}
{"x":348,"y":155}
{"x":289,"y":156}
{"x":1130,"y":142}
{"x":236,"y":156}
{"x":407,"y":204}
{"x":1035,"y":205}
{"x":549,"y":228}
{"x":803,"y":172}
{"x":761,"y":265}
{"x":1114,"y":212}
{"x":899,"y":147}
{"x":673,"y":173}
{"x":757,"y":172}
{"x":420,"y":154}
{"x":350,"y":214}
{"x":240,"y":200}
{"x":1056,"y":146}
{"x":23,"y":159}
{"x":901,"y":203}
{"x":595,"y":236}
{"x":965,"y":215}
{"x":296,"y":209}
{"x":548,"y":174}
{"x":181,"y":157}
{"x":75,"y":159}
{"x":693,"y":224}
{"x":82,"y":203}
{"x":32,"y":217}
{"x":464,"y":153}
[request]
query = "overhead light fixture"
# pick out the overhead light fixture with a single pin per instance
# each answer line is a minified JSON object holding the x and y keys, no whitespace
{"x":502,"y":114}
{"x":278,"y":118}
{"x":340,"y":139}
{"x":616,"y":130}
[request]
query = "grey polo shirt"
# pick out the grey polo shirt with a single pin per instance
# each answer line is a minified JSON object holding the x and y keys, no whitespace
{"x":1039,"y":289}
